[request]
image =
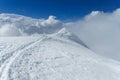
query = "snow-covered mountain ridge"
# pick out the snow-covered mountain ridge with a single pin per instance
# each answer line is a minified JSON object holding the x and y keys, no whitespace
{"x":53,"y":54}
{"x":52,"y":58}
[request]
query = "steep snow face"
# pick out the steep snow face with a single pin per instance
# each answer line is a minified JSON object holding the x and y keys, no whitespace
{"x":17,"y":25}
{"x":50,"y":58}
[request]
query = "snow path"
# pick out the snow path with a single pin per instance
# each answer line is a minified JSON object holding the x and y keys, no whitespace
{"x":52,"y":59}
{"x":5,"y":66}
{"x":56,"y":58}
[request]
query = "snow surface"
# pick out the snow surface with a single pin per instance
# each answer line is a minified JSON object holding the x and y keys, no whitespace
{"x":51,"y":53}
{"x":50,"y":57}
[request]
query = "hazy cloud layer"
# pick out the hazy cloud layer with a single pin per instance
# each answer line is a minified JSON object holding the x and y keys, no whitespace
{"x":100,"y":31}
{"x":16,"y":25}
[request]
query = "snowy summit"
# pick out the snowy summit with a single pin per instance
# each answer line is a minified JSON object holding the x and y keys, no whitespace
{"x":44,"y":49}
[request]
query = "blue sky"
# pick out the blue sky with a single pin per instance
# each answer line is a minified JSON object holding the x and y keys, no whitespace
{"x":63,"y":9}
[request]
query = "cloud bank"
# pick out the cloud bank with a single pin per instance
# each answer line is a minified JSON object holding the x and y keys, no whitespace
{"x":17,"y":25}
{"x":100,"y":31}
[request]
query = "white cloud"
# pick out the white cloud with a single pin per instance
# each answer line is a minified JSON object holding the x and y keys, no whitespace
{"x":17,"y":25}
{"x":100,"y":31}
{"x":9,"y":30}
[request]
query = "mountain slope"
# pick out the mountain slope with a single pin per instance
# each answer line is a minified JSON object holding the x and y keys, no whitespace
{"x":51,"y":58}
{"x":47,"y":51}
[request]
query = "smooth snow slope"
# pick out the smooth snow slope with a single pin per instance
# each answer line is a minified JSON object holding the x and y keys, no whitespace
{"x":53,"y":57}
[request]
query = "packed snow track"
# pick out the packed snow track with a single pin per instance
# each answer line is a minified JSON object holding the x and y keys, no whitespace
{"x":52,"y":58}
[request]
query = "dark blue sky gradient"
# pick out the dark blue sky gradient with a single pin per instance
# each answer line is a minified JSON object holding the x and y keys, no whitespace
{"x":63,"y":9}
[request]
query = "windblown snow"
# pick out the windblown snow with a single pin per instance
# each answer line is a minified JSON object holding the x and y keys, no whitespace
{"x":51,"y":53}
